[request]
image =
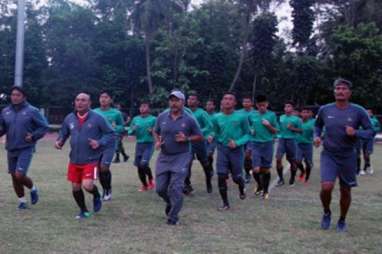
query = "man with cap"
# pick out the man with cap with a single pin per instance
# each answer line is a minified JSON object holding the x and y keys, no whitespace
{"x":342,"y":121}
{"x":23,"y":125}
{"x":90,"y":134}
{"x":174,"y":131}
{"x":199,"y":149}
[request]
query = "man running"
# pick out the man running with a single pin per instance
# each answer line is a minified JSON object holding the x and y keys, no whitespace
{"x":211,"y":110}
{"x":342,"y":121}
{"x":231,"y":131}
{"x":114,"y":117}
{"x":305,"y":144}
{"x":290,"y":126}
{"x":174,"y":131}
{"x":247,"y":109}
{"x":199,"y":149}
{"x":263,"y":124}
{"x":90,"y":134}
{"x":24,"y":126}
{"x":142,"y":128}
{"x":367,"y":146}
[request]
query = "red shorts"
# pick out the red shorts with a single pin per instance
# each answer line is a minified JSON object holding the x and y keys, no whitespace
{"x":79,"y":172}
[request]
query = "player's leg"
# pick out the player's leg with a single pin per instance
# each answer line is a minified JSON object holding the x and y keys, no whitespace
{"x":89,"y":174}
{"x":291,"y":157}
{"x":281,"y":149}
{"x":256,"y":163}
{"x":236,"y":161}
{"x":266,"y":165}
{"x":145,"y":164}
{"x":74,"y":176}
{"x":222,"y":168}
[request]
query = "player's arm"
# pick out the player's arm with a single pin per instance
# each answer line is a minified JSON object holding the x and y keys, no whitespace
{"x":214,"y":130}
{"x":246,"y":133}
{"x":131,"y":128}
{"x":297,"y":127}
{"x":107,"y":132}
{"x":318,"y":127}
{"x":41,"y":125}
{"x":272,"y":125}
{"x":195,"y":134}
{"x":367,"y":131}
{"x":63,"y":135}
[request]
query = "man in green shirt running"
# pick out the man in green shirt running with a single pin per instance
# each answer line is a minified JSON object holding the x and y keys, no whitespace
{"x":263,"y":124}
{"x":199,"y":149}
{"x":142,"y":128}
{"x":114,"y":118}
{"x":305,"y":144}
{"x":367,"y":145}
{"x":247,"y":109}
{"x":231,"y":131}
{"x":290,"y":126}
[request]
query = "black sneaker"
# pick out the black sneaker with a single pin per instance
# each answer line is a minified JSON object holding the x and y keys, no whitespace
{"x":280,"y":183}
{"x":187,"y":190}
{"x":126,"y":158}
{"x":172,"y":222}
{"x":224,"y":207}
{"x":116,"y":160}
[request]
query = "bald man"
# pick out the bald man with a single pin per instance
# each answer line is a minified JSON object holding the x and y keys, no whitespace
{"x":90,"y":134}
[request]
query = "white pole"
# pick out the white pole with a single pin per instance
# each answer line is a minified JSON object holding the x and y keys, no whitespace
{"x":19,"y":64}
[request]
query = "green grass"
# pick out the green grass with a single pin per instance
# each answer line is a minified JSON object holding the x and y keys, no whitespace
{"x":135,"y":223}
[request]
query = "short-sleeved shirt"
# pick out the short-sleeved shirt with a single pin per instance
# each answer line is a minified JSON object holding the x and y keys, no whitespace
{"x":260,"y":132}
{"x":306,"y":137}
{"x":335,"y":120}
{"x":168,"y":128}
{"x":233,"y":126}
{"x":286,"y":120}
{"x":141,"y":127}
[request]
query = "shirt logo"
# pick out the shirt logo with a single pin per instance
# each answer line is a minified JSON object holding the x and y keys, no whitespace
{"x":331,"y":117}
{"x":71,"y":126}
{"x":350,"y":119}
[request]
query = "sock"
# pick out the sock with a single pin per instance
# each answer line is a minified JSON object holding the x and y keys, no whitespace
{"x":327,"y":211}
{"x":308,"y":170}
{"x":280,"y":173}
{"x":266,"y":180}
{"x":149,"y":173}
{"x":79,"y":197}
{"x":103,"y":180}
{"x":95,"y":192}
{"x":222,"y":183}
{"x":142,"y":175}
{"x":342,"y":218}
{"x":256,"y":176}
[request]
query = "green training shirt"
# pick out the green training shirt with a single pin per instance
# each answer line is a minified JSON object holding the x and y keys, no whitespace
{"x":114,"y":117}
{"x":259,"y":132}
{"x":141,"y":127}
{"x":285,"y":120}
{"x":306,"y":137}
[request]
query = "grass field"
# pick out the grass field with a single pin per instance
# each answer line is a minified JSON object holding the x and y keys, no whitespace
{"x":135,"y":223}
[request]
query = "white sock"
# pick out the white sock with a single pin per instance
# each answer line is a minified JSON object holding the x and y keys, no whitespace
{"x":22,"y":200}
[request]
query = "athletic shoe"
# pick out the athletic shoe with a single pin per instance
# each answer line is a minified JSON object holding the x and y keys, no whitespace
{"x":325,"y":221}
{"x":97,"y":204}
{"x":362,"y":172}
{"x":116,"y":160}
{"x":83,"y":215}
{"x":22,"y":206}
{"x":143,"y":188}
{"x":301,"y":178}
{"x":34,"y":196}
{"x":126,"y":158}
{"x":341,"y":226}
{"x":291,"y":182}
{"x":151,"y":185}
{"x":209,"y":187}
{"x":280,"y":183}
{"x":224,"y":207}
{"x":172,"y":222}
{"x":187,"y":190}
{"x":107,"y":196}
{"x":242,"y":196}
{"x":258,"y":191}
{"x":370,"y":170}
{"x":265,"y":195}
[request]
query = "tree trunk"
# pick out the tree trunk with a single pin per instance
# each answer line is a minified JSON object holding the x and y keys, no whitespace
{"x":148,"y":63}
{"x":243,"y":52}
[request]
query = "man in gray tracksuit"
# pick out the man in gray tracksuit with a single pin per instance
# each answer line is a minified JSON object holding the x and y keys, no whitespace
{"x":90,"y":134}
{"x":24,"y":126}
{"x":174,"y":131}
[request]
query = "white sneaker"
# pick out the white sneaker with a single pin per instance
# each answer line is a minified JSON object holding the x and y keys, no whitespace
{"x":107,"y":197}
{"x":370,"y":170}
{"x":362,"y":173}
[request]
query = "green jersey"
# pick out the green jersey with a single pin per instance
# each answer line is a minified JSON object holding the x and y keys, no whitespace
{"x":114,"y":117}
{"x":203,"y":120}
{"x":141,"y":128}
{"x":233,"y":126}
{"x":376,"y":124}
{"x":259,"y":132}
{"x":286,"y":120}
{"x":306,"y":137}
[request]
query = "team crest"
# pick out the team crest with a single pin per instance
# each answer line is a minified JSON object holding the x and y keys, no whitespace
{"x":71,"y":126}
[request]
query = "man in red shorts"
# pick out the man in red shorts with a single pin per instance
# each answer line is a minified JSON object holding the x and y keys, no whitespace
{"x":90,"y":134}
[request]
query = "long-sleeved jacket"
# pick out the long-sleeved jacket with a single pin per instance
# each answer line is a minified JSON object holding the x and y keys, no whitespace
{"x":16,"y":121}
{"x":95,"y":127}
